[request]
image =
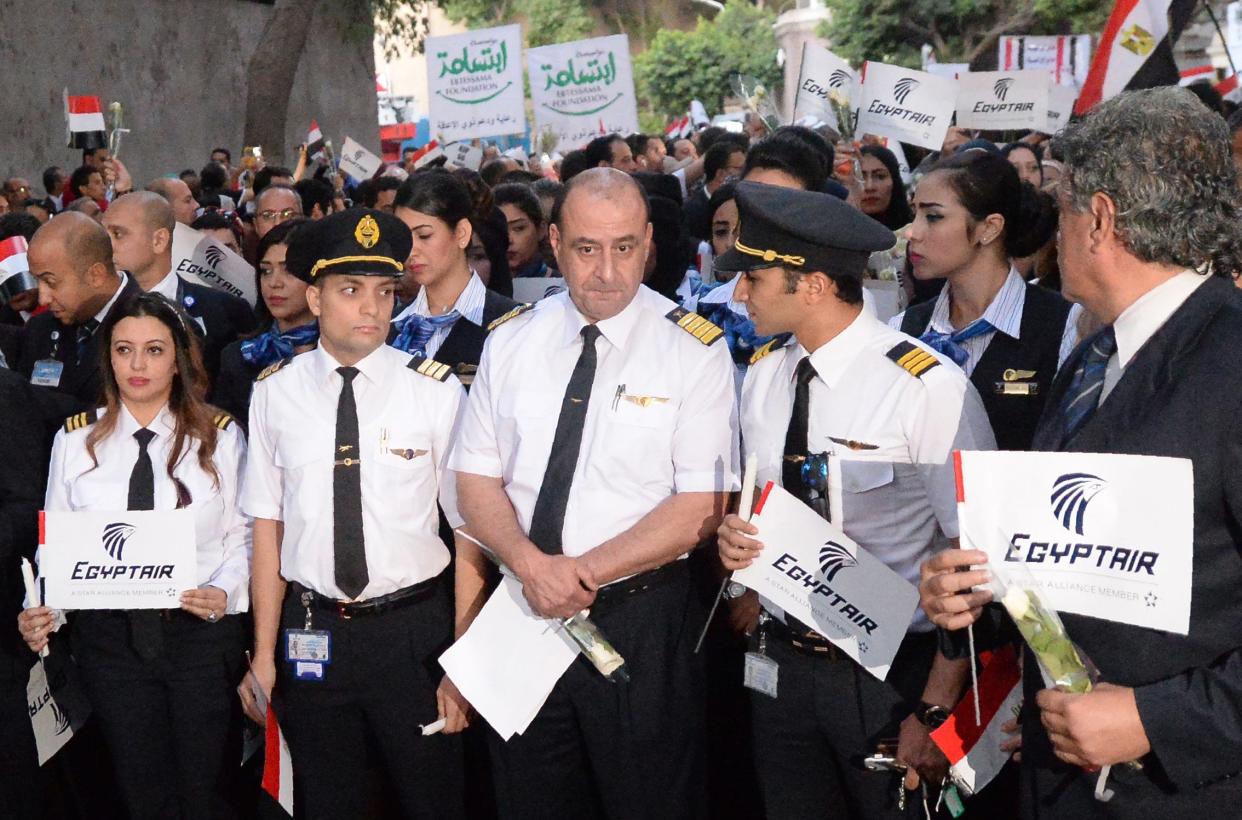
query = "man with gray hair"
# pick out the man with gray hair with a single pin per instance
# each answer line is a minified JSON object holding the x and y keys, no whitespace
{"x":1148,"y":244}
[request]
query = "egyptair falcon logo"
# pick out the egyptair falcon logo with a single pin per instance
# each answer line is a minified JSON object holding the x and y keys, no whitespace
{"x":115,"y":537}
{"x":1071,"y":493}
{"x":833,"y":558}
{"x":1001,"y":88}
{"x":903,"y":88}
{"x":838,"y":78}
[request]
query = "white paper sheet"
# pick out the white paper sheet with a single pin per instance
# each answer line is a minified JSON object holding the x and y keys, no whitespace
{"x":509,"y":660}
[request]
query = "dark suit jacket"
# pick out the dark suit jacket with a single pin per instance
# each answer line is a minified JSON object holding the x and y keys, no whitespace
{"x":694,"y":215}
{"x":1179,"y":396}
{"x":224,"y":317}
{"x":80,"y":379}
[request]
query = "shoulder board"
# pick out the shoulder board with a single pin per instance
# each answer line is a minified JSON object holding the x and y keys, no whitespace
{"x":913,"y":359}
{"x":81,"y":420}
{"x":430,"y":367}
{"x":222,"y":420}
{"x":517,"y":311}
{"x":702,"y":329}
{"x":774,"y":344}
{"x":272,"y":368}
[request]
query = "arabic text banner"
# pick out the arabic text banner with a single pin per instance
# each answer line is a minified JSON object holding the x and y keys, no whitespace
{"x":474,"y":84}
{"x":584,"y":89}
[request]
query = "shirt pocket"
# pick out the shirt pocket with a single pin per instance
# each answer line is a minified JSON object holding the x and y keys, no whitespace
{"x":405,"y":454}
{"x":864,"y":476}
{"x":649,"y":409}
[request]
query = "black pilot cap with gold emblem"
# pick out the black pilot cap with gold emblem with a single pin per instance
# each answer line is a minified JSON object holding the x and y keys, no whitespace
{"x":360,"y":241}
{"x":802,"y":230}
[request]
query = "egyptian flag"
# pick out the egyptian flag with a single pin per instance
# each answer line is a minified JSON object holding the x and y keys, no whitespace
{"x":973,"y":748}
{"x":1136,"y":49}
{"x":1230,"y":89}
{"x":277,"y":764}
{"x":314,"y":141}
{"x":15,"y":275}
{"x":84,"y":118}
{"x":679,"y":128}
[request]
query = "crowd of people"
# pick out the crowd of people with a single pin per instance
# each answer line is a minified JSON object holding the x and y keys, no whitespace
{"x":386,"y":430}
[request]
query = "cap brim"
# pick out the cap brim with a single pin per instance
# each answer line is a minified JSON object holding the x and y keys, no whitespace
{"x":734,"y":261}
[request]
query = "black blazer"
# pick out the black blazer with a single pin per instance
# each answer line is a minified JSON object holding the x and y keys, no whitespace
{"x":1179,"y":396}
{"x":235,"y":383}
{"x":221,"y":316}
{"x":464,"y":346}
{"x":46,"y":338}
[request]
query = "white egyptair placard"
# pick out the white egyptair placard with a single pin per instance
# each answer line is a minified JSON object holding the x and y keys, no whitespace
{"x":197,"y":256}
{"x":474,"y":84}
{"x":117,"y":560}
{"x":50,"y":723}
{"x":1061,"y":99}
{"x":357,"y":161}
{"x":907,"y":105}
{"x":814,"y":572}
{"x":582,"y":90}
{"x":1104,"y":535}
{"x":1003,"y":100}
{"x":822,"y":74}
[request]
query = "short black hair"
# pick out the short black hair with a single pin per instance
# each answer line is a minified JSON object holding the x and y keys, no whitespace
{"x":600,"y":149}
{"x":228,"y":156}
{"x":713,"y":134}
{"x":516,"y":193}
{"x":574,"y":163}
{"x":23,"y":225}
{"x":785,"y":152}
{"x":717,"y":157}
{"x":315,"y":192}
{"x":213,"y":177}
{"x":369,"y":190}
{"x":813,"y":140}
{"x":263,"y":177}
{"x":50,"y":175}
{"x":81,"y":176}
{"x":494,"y":169}
{"x":212,"y":221}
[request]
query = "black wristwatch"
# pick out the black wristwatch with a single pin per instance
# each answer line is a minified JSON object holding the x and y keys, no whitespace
{"x":931,"y":715}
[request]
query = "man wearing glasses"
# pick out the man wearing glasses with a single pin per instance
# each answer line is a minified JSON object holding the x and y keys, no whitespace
{"x":859,"y":422}
{"x":275,"y":204}
{"x":16,"y":191}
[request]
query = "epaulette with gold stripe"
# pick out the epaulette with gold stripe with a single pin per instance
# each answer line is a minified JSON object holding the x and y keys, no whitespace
{"x":222,"y":420}
{"x":775,"y":343}
{"x":913,"y":359}
{"x":81,"y":420}
{"x":702,"y":329}
{"x":272,"y":368}
{"x":517,"y":311}
{"x":430,"y":367}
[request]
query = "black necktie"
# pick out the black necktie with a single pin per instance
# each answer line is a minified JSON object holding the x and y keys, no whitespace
{"x":85,"y":331}
{"x":349,"y":552}
{"x":145,"y":634}
{"x":548,"y":521}
{"x":796,"y":436}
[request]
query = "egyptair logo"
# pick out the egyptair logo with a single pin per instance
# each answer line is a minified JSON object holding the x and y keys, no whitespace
{"x":62,"y":719}
{"x":903,"y":88}
{"x":115,"y":536}
{"x":1001,"y":88}
{"x":838,"y":78}
{"x":833,"y":558}
{"x":214,"y":256}
{"x":1071,"y":493}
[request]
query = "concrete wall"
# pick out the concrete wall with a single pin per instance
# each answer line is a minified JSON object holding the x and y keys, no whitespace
{"x":179,"y":69}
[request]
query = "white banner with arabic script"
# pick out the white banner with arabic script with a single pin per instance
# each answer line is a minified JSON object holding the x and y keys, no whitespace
{"x":584,"y":89}
{"x":474,"y":84}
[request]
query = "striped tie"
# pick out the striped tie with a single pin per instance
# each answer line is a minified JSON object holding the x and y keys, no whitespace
{"x":1083,"y":395}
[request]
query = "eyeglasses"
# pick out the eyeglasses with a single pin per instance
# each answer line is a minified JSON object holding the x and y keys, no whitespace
{"x":287,"y":213}
{"x":20,"y":189}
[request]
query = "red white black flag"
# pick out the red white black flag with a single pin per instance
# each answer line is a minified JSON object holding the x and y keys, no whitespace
{"x":1136,"y":49}
{"x":314,"y":141}
{"x":85,"y":122}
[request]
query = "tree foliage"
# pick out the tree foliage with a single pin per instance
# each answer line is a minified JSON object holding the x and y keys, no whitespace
{"x":680,"y":66}
{"x":965,"y":31}
{"x":547,"y":21}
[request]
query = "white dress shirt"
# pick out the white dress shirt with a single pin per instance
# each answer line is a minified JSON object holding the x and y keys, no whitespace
{"x":894,"y":491}
{"x":405,"y":423}
{"x":469,"y":304}
{"x":224,"y":534}
{"x":167,"y":287}
{"x":1004,"y":314}
{"x":103,"y":311}
{"x":661,"y":419}
{"x":1141,"y":320}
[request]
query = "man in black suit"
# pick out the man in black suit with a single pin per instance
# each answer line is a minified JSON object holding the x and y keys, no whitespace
{"x":1140,"y":229}
{"x":71,"y":257}
{"x":141,"y":227}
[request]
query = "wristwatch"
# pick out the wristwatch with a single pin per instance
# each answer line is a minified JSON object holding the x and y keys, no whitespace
{"x":734,"y":590}
{"x":931,"y":715}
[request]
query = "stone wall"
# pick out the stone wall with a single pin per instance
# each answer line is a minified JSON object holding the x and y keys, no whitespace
{"x":179,"y":69}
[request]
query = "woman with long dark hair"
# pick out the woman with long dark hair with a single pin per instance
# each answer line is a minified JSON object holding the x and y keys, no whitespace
{"x":884,"y":194}
{"x":973,"y":217}
{"x":448,"y":320}
{"x":160,"y":682}
{"x":285,"y":324}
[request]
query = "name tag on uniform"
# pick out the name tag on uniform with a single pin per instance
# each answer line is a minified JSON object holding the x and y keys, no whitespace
{"x":47,"y":373}
{"x":309,"y":650}
{"x":760,"y":674}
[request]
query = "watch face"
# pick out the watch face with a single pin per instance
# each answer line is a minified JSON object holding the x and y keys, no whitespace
{"x":935,"y":716}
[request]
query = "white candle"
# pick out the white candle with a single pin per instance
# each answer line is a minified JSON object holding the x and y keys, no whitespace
{"x":31,"y":595}
{"x":749,"y":476}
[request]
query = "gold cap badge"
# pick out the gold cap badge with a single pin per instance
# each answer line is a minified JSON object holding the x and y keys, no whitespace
{"x":367,"y":233}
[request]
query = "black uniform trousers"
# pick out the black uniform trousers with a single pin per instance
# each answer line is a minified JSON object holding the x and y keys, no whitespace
{"x":376,"y":693}
{"x":622,"y":751}
{"x":20,"y":778}
{"x":172,"y":724}
{"x":828,"y":715}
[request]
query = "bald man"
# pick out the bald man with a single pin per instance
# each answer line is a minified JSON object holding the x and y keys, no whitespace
{"x":140,"y":226}
{"x":71,"y":257}
{"x":178,"y":195}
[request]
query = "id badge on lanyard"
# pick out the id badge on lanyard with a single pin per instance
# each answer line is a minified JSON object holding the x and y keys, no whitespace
{"x":308,"y":650}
